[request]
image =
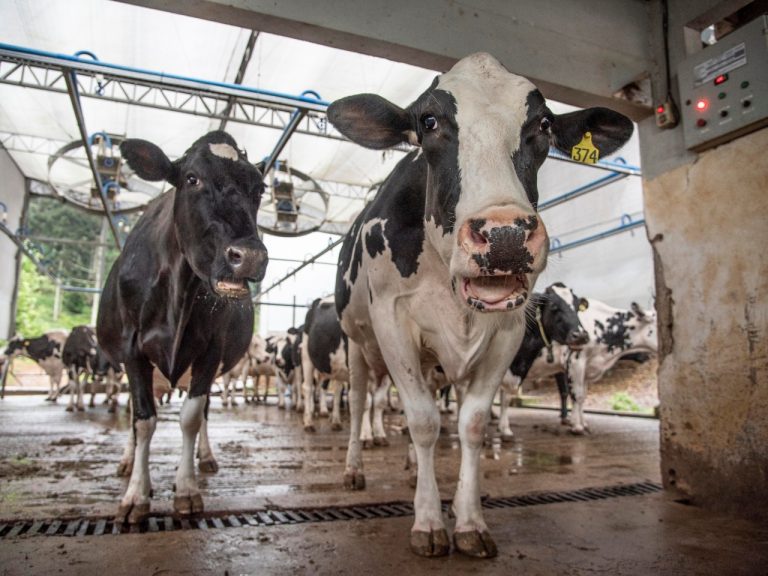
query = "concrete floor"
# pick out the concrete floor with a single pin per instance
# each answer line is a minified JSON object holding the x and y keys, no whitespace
{"x":57,"y":464}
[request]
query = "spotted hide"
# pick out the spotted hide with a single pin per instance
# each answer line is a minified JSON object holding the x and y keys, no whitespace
{"x":176,"y":305}
{"x":439,"y":266}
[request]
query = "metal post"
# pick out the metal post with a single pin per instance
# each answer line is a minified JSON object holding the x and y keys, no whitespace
{"x":57,"y":296}
{"x":293,"y":312}
{"x":99,"y":263}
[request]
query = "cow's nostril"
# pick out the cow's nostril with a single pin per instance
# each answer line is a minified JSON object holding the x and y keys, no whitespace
{"x":477,"y":238}
{"x":235,"y":257}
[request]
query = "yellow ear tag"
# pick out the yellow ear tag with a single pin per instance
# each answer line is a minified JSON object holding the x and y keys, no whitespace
{"x":585,"y":152}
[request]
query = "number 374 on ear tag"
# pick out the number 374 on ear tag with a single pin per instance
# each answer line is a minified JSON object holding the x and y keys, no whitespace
{"x":585,"y":152}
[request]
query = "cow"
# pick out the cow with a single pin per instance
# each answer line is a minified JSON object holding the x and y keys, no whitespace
{"x":176,"y":303}
{"x":102,"y":370}
{"x":285,"y":349}
{"x":555,"y":320}
{"x":45,"y":350}
{"x":256,"y":362}
{"x":323,"y":356}
{"x":78,"y":355}
{"x":614,"y":333}
{"x":439,"y":266}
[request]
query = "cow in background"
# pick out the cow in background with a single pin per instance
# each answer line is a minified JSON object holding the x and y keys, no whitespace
{"x":177,"y":301}
{"x":45,"y":350}
{"x":103,"y":371}
{"x":256,"y":363}
{"x":614,"y":333}
{"x":323,"y":356}
{"x":554,"y":320}
{"x":438,"y":268}
{"x":285,"y":350}
{"x":78,"y":355}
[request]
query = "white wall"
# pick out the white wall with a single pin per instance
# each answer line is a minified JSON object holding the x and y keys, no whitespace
{"x":12,"y":195}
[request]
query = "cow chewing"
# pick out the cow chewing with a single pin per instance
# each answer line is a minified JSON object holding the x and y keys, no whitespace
{"x":176,"y":301}
{"x":438,"y":268}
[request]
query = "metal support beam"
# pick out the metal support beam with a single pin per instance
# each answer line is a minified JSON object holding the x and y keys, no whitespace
{"x":42,"y":268}
{"x":239,"y":77}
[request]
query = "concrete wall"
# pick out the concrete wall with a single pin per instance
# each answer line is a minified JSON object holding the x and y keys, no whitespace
{"x":12,"y":194}
{"x":708,"y":223}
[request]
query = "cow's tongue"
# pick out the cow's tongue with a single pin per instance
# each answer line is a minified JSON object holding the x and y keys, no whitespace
{"x":493,"y":289}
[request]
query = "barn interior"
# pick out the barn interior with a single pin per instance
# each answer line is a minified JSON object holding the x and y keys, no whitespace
{"x":680,"y":219}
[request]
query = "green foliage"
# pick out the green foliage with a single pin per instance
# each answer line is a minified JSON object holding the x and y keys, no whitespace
{"x":29,"y":316}
{"x":624,"y":402}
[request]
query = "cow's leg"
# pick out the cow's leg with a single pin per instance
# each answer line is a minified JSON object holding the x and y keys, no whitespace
{"x":338,"y":387}
{"x":577,"y":383}
{"x":94,"y":383}
{"x":323,"y":408}
{"x":134,"y":505}
{"x":113,"y":386}
{"x":281,"y":386}
{"x":125,"y":466}
{"x":207,"y":461}
{"x":562,"y":388}
{"x":72,"y":372}
{"x":354,"y":478}
{"x":307,"y":389}
{"x":379,"y":404}
{"x":188,"y":499}
{"x":506,"y":393}
{"x":366,"y":434}
{"x":80,"y":377}
{"x":471,"y":534}
{"x":297,"y":397}
{"x":428,"y":534}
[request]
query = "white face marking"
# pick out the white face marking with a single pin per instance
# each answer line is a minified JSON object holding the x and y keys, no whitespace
{"x":565,"y":294}
{"x":224,"y":151}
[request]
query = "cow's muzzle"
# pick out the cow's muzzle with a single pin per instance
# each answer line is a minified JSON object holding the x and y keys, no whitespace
{"x":503,"y":246}
{"x":577,"y":339}
{"x":246,"y":264}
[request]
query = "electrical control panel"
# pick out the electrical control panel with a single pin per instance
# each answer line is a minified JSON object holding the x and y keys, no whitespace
{"x":724,"y":88}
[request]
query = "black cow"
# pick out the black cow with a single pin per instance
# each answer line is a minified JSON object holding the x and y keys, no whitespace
{"x":46,"y":351}
{"x":555,"y":321}
{"x":78,"y":354}
{"x":177,"y":303}
{"x":103,"y":371}
{"x":323,"y":356}
{"x":438,"y":268}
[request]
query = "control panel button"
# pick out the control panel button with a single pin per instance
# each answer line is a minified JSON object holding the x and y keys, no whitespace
{"x":701,"y":122}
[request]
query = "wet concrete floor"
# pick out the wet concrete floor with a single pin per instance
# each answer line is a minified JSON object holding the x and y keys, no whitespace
{"x":56,"y":464}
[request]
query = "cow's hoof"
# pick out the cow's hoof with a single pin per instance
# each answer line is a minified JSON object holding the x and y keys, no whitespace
{"x":131,"y":513}
{"x":309,"y":428}
{"x":354,"y":481}
{"x":235,"y":403}
{"x":112,"y":409}
{"x":208,"y":465}
{"x":476,"y":544}
{"x":186,"y":505}
{"x":380,"y":442}
{"x":367,"y":444}
{"x":578,"y":431}
{"x":336,"y":426}
{"x":565,"y":421}
{"x":507,"y":437}
{"x":430,"y":544}
{"x":124,"y":469}
{"x":70,"y":408}
{"x":281,"y":406}
{"x":81,"y":408}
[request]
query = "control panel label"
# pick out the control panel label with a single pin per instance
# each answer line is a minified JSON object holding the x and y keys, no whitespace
{"x":731,"y":59}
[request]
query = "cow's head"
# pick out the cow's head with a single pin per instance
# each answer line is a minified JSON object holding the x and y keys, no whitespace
{"x":560,"y":316}
{"x":484,"y":134}
{"x":258,"y":351}
{"x":216,"y":199}
{"x":16,"y":346}
{"x":628,"y":330}
{"x":642,"y":327}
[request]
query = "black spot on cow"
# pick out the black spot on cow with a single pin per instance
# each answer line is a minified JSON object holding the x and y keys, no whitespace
{"x":506,"y":248}
{"x":531,"y":151}
{"x":374,"y":240}
{"x":616,"y":334}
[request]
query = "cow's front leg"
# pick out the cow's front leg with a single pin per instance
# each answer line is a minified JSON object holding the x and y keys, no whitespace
{"x":563,"y":389}
{"x":134,"y":505}
{"x":428,"y":534}
{"x":338,"y":388}
{"x":379,"y":404}
{"x":366,"y":434}
{"x":506,"y":393}
{"x":307,"y":389}
{"x":471,"y":534}
{"x":188,"y":499}
{"x":323,"y":400}
{"x":578,"y":387}
{"x":94,"y":383}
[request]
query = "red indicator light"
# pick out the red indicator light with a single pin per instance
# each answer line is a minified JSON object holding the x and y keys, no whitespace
{"x":660,"y":109}
{"x":720,"y":79}
{"x":702,"y":105}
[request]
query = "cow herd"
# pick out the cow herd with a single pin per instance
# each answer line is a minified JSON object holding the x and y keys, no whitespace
{"x":435,"y":288}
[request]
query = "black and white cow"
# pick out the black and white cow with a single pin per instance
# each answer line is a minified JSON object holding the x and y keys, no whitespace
{"x":614,"y":333}
{"x":438,"y":268}
{"x":78,"y":355}
{"x":323,"y":356}
{"x":256,"y":363}
{"x":177,"y":301}
{"x":103,"y":371}
{"x":46,"y":351}
{"x":555,"y":320}
{"x":283,"y":348}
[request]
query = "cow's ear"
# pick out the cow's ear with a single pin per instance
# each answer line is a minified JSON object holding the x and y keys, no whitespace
{"x":583,"y":304}
{"x":609,"y":130}
{"x":147,"y":160}
{"x":371,"y":121}
{"x":639,"y":312}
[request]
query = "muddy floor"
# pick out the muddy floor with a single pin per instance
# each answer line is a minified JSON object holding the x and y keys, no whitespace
{"x":55,"y":464}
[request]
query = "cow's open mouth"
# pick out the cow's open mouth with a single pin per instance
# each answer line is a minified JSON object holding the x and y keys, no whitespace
{"x":492,"y":293}
{"x":232,"y":288}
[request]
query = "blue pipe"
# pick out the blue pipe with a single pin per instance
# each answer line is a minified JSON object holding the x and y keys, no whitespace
{"x":588,"y":187}
{"x":81,"y":53}
{"x":162,"y":75}
{"x":600,"y":236}
{"x":104,"y":135}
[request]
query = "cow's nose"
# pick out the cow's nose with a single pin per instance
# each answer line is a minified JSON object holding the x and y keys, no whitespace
{"x":503,"y":241}
{"x":577,"y":338}
{"x":246,"y":262}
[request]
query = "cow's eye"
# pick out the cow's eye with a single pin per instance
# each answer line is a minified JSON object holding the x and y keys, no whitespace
{"x":545,"y":125}
{"x":192,"y":180}
{"x":429,"y":122}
